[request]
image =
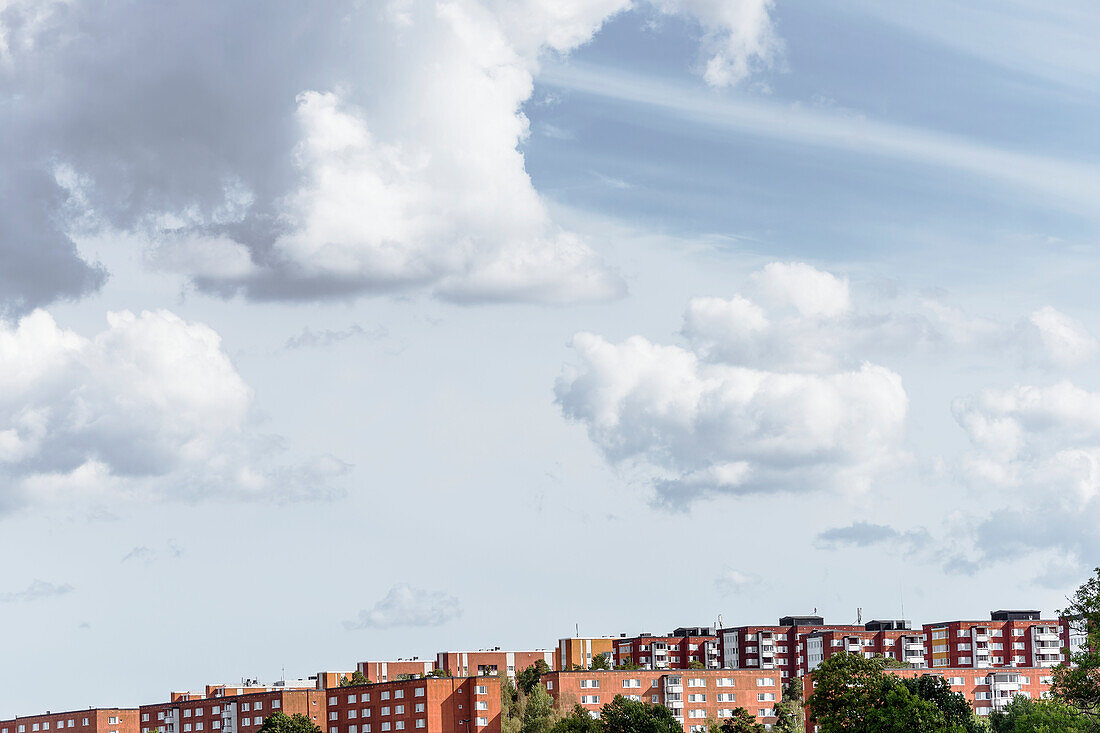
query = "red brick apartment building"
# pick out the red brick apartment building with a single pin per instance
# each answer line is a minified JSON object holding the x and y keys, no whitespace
{"x":428,"y":705}
{"x":892,"y":639}
{"x":386,"y":671}
{"x":675,"y":651}
{"x":93,"y":720}
{"x":693,"y":695}
{"x":985,"y":690}
{"x":780,"y":647}
{"x":229,"y":710}
{"x":490,"y":661}
{"x":1008,"y":639}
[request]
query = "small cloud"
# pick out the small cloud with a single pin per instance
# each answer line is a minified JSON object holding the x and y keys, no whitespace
{"x":735,"y":581}
{"x":37,"y":590}
{"x":866,"y":534}
{"x":408,"y":606}
{"x":140,"y":554}
{"x":309,"y":338}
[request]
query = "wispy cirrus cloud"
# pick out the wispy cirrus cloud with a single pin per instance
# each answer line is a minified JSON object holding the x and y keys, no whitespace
{"x":36,"y":591}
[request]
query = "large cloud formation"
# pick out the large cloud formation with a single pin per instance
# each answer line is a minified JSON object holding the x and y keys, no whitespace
{"x":716,"y":417}
{"x":151,"y":406}
{"x":311,"y":150}
{"x":1038,"y":448}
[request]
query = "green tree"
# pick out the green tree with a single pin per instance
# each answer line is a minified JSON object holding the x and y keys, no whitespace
{"x":957,"y":713}
{"x":742,"y":721}
{"x":694,"y":664}
{"x":437,"y":673}
{"x":355,"y":678}
{"x":280,"y":722}
{"x":630,"y":716}
{"x":854,"y":695}
{"x":578,"y":721}
{"x":1077,"y":684}
{"x":1024,"y":715}
{"x":538,"y":713}
{"x":790,"y":714}
{"x":627,"y":664}
{"x":511,"y":707}
{"x":527,"y":679}
{"x":601,"y":661}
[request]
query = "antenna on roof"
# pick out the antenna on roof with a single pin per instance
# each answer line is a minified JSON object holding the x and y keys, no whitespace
{"x":578,"y":630}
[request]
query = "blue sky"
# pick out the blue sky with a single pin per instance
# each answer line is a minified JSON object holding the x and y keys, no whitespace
{"x":413,"y":326}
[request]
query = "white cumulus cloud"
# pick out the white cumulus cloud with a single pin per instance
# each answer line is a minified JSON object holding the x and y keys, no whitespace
{"x":150,"y":405}
{"x":317,"y":150}
{"x":731,"y":414}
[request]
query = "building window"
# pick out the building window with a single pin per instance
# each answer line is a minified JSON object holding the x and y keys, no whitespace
{"x":590,"y":699}
{"x":399,"y":710}
{"x":385,"y":695}
{"x":419,"y":707}
{"x":590,"y":683}
{"x":765,"y":697}
{"x":245,"y":708}
{"x":399,"y":725}
{"x":481,"y":705}
{"x":386,"y":710}
{"x":419,"y":691}
{"x":351,"y":715}
{"x":697,"y":682}
{"x":765,"y":682}
{"x":419,"y":722}
{"x":483,"y":721}
{"x":276,"y":704}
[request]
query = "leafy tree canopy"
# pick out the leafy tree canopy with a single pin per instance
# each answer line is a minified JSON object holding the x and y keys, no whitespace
{"x":578,"y":721}
{"x":630,"y":716}
{"x":601,"y":661}
{"x":1078,"y":684}
{"x":1024,"y":715}
{"x":855,"y":695}
{"x":742,"y":721}
{"x":528,"y":678}
{"x":280,"y":722}
{"x":355,"y":678}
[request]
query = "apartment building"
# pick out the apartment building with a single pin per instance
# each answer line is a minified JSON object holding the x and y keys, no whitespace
{"x":985,"y":690}
{"x":387,"y":671}
{"x":490,"y":661}
{"x":780,"y":647}
{"x":693,"y":695}
{"x":1008,"y":639}
{"x":893,"y":639}
{"x":93,"y":720}
{"x":678,"y":650}
{"x":428,"y":705}
{"x":580,"y":651}
{"x":229,"y":709}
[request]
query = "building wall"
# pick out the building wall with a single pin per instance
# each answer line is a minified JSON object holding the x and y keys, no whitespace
{"x":781,"y":648}
{"x":388,"y":671}
{"x":97,"y":720}
{"x":429,"y":705}
{"x":678,"y":651}
{"x":580,"y":651}
{"x":492,"y":661}
{"x":692,"y":695}
{"x":900,"y":644}
{"x":1032,"y":643}
{"x":230,"y":713}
